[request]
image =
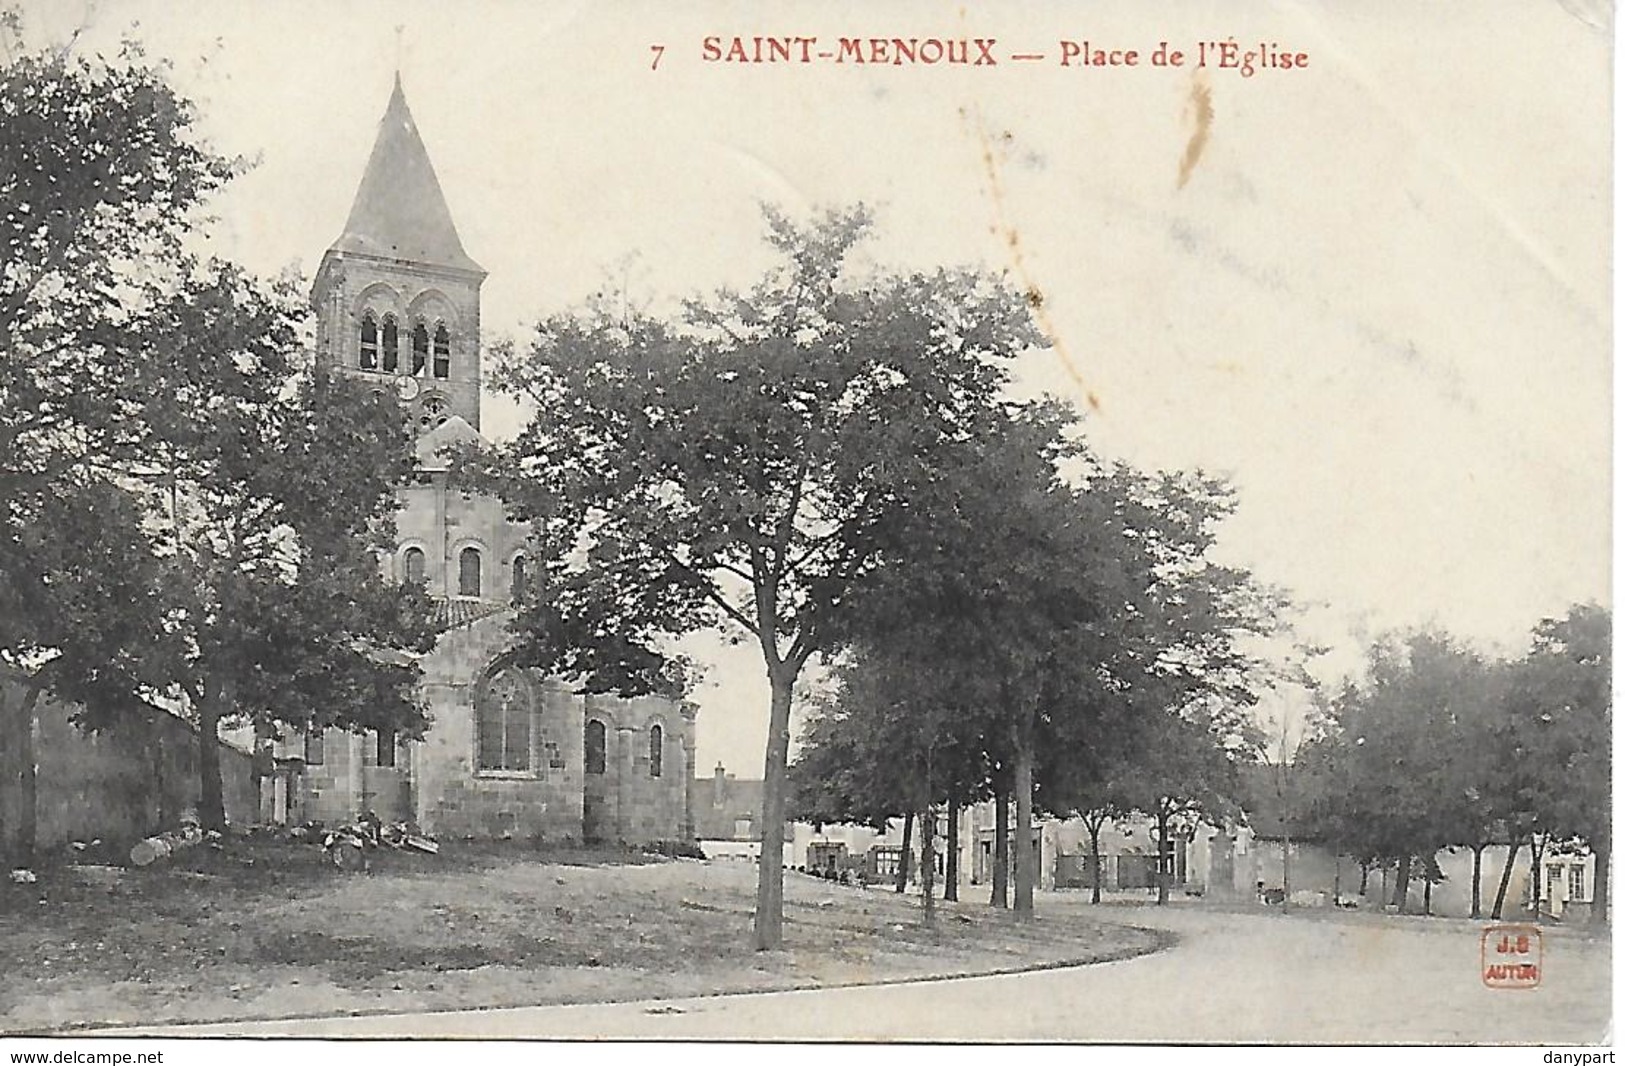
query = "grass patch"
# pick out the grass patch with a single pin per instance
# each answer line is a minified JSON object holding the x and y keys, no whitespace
{"x":266,"y":928}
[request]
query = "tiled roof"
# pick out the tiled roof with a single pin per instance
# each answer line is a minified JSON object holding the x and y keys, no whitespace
{"x":454,"y":611}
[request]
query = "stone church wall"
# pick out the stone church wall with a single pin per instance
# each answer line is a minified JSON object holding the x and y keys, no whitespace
{"x":453,"y":798}
{"x":441,"y":522}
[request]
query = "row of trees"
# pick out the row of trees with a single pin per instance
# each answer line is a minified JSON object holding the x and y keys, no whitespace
{"x":160,"y":438}
{"x":827,"y":464}
{"x":1065,"y":643}
{"x":1439,"y":747}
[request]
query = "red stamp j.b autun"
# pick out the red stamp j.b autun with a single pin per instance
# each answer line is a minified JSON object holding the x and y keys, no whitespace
{"x":1511,"y":956}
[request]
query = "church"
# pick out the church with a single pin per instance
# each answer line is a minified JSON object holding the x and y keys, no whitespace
{"x":510,"y":754}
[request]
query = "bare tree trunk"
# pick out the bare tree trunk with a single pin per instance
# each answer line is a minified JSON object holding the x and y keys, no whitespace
{"x":1365,"y":876}
{"x":1001,"y":846}
{"x":1506,"y":877}
{"x":1026,"y":860}
{"x":769,"y":922}
{"x":1094,"y":859}
{"x":1286,"y":865}
{"x":20,"y":725}
{"x":1478,"y":876}
{"x":950,"y":888}
{"x":902,"y":860}
{"x":1602,"y":852}
{"x":1402,"y":884}
{"x":1537,"y":846}
{"x":1163,"y":854}
{"x":928,"y":861}
{"x":219,"y":694}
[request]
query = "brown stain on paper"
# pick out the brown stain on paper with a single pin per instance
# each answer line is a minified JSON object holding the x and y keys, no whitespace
{"x":1201,"y":103}
{"x":1012,"y":239}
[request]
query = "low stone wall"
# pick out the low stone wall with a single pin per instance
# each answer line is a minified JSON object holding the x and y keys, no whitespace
{"x":119,"y":784}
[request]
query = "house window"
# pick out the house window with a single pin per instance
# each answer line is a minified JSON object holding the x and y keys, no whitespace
{"x":657,"y":745}
{"x":595,"y":746}
{"x":392,"y":345}
{"x":468,"y":572}
{"x":315,"y":747}
{"x":516,"y":587}
{"x":414,"y":566}
{"x":420,"y":348}
{"x":442,"y":352}
{"x":503,"y":709}
{"x":1577,"y":883}
{"x":386,"y":748}
{"x":369,"y":342}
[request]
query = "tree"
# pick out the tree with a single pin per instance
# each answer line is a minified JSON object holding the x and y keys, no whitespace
{"x":1186,"y":773}
{"x":742,"y":465}
{"x":1096,"y":792}
{"x":85,"y":579}
{"x":1411,"y":756}
{"x":1559,"y":732}
{"x":900,"y":735}
{"x":1070,"y":600}
{"x":102,"y":184}
{"x":274,"y":593}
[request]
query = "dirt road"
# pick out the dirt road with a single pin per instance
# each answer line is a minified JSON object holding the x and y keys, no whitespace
{"x":1233,"y":977}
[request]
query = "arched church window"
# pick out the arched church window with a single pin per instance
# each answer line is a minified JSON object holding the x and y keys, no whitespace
{"x":442,"y":352}
{"x":392,"y":345}
{"x":503,"y":709}
{"x":468,"y":572}
{"x":414,"y":565}
{"x":595,"y":747}
{"x":657,"y":749}
{"x":420,"y":348}
{"x":516,"y":587}
{"x":369,"y":342}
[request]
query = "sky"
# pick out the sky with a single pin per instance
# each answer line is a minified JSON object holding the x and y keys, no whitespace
{"x":1373,"y":292}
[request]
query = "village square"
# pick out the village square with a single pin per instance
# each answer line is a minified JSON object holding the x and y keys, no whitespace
{"x":805,"y":615}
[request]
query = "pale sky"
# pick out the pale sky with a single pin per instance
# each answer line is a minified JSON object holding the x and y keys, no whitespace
{"x":1380,"y":303}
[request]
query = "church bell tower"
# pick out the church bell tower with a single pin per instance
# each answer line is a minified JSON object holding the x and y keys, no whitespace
{"x":397,"y":299}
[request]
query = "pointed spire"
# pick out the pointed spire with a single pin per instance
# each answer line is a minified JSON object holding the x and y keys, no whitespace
{"x":399,"y":210}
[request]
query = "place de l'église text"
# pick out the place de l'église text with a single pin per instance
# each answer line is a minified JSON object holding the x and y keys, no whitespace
{"x":1245,"y":58}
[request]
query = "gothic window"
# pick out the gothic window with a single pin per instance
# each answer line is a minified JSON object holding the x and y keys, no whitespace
{"x":369,"y":342}
{"x":442,"y":352}
{"x":420,"y":348}
{"x":468,"y":572}
{"x":503,"y":710}
{"x":414,"y":565}
{"x":657,"y":749}
{"x":595,"y":746}
{"x":516,"y":589}
{"x":392,"y":345}
{"x":386,"y":748}
{"x":315,"y":747}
